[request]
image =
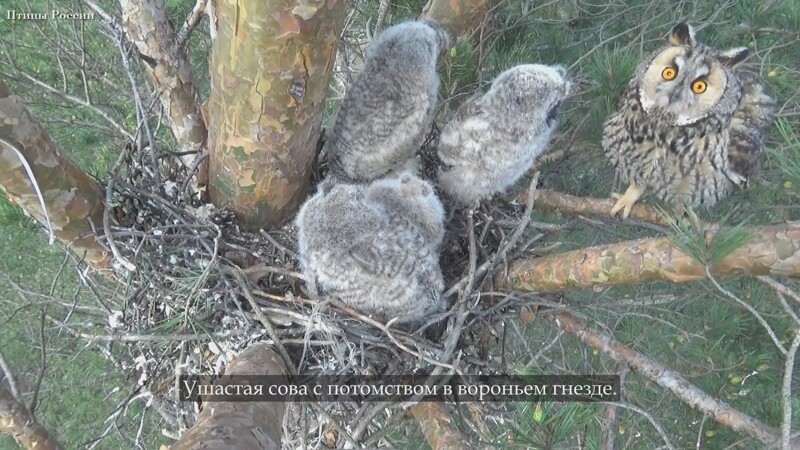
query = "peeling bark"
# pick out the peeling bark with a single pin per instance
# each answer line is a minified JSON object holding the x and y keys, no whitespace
{"x":227,"y":425}
{"x":458,"y":17}
{"x":547,"y":200}
{"x":270,"y":68}
{"x":687,"y":392}
{"x":773,"y":250}
{"x":17,"y":421}
{"x":437,"y":425}
{"x":74,"y":201}
{"x":167,"y":65}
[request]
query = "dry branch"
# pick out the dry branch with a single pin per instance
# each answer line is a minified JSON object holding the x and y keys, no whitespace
{"x":74,"y":201}
{"x":167,"y":65}
{"x":547,"y":200}
{"x":16,"y":420}
{"x":668,"y":379}
{"x":437,"y":425}
{"x":271,"y":63}
{"x":773,"y":250}
{"x":227,"y":425}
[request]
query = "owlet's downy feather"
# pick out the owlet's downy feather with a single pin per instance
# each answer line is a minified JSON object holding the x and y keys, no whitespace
{"x":493,"y":140}
{"x":375,"y":246}
{"x":690,"y":125}
{"x":386,"y":113}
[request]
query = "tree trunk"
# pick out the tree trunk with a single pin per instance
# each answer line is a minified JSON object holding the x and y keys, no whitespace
{"x":250,"y":425}
{"x":17,"y":421}
{"x":271,"y":64}
{"x":167,"y":65}
{"x":74,"y":201}
{"x":773,"y":250}
{"x":458,"y":17}
{"x":437,"y":425}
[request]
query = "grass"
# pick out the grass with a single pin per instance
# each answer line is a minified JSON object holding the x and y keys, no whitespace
{"x":705,"y":336}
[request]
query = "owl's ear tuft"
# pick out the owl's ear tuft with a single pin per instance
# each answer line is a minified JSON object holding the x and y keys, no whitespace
{"x":734,"y":56}
{"x":682,"y":34}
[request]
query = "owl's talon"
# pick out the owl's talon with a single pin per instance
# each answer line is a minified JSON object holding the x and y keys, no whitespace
{"x":626,"y":201}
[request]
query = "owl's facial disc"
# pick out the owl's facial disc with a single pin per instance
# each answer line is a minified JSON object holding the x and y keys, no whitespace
{"x":682,"y":84}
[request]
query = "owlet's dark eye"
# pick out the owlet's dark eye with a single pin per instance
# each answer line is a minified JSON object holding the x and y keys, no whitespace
{"x":669,"y":73}
{"x":699,"y":86}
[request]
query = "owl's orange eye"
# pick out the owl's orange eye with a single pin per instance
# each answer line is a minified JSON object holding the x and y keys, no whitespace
{"x":669,"y":73}
{"x":699,"y":86}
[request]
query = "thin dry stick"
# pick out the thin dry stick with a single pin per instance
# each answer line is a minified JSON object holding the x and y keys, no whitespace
{"x":786,"y":397}
{"x":650,"y":419}
{"x":749,"y":309}
{"x":194,"y":18}
{"x":700,"y":432}
{"x":504,"y":249}
{"x":107,"y":228}
{"x":238,"y":275}
{"x":668,"y":379}
{"x":780,"y":287}
{"x":12,"y":384}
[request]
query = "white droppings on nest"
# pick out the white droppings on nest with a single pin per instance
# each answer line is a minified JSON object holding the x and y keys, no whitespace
{"x":173,"y":259}
{"x":141,"y":364}
{"x":158,"y":232}
{"x":170,"y":188}
{"x":115,"y":319}
{"x":202,"y":212}
{"x":214,"y":348}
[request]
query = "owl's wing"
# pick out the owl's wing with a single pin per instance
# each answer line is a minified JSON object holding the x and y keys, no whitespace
{"x":382,"y":256}
{"x":467,"y":124}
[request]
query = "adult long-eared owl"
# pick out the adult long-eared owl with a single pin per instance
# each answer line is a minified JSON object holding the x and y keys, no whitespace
{"x":689,"y":127}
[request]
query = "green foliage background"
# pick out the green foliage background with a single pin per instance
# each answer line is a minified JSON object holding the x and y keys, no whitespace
{"x":701,"y":334}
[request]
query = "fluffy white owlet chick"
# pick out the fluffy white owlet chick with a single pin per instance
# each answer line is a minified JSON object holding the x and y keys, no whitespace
{"x":385,"y":114}
{"x":494,"y":139}
{"x":375,"y":246}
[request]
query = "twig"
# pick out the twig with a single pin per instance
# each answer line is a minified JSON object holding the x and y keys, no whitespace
{"x":668,"y":379}
{"x":504,"y":249}
{"x":81,"y":102}
{"x":780,"y":287}
{"x":749,"y":309}
{"x":144,"y":120}
{"x":194,"y":18}
{"x":50,"y":234}
{"x":12,"y":384}
{"x":42,"y":367}
{"x":107,"y":228}
{"x":700,"y":432}
{"x":238,"y":275}
{"x":332,"y":422}
{"x":278,"y":245}
{"x":786,"y":393}
{"x":650,"y":419}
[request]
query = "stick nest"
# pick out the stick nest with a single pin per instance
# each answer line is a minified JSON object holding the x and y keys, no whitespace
{"x":189,"y":305}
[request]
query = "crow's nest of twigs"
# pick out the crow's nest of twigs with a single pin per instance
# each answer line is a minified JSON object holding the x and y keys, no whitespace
{"x":190,"y":304}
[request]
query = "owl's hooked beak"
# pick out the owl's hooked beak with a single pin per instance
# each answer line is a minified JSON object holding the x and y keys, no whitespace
{"x":675,"y":95}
